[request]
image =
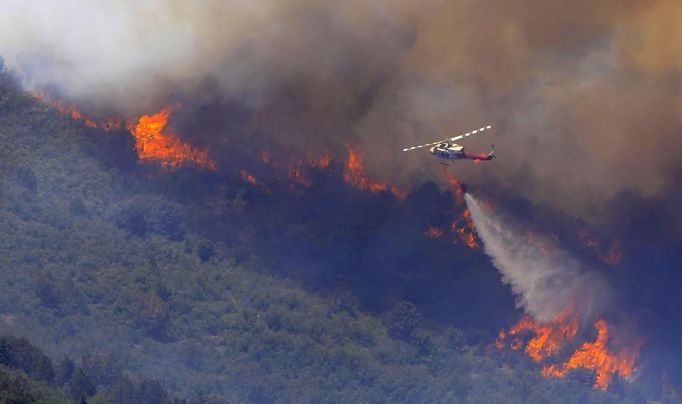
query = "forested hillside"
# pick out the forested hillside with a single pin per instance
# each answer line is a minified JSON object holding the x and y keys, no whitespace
{"x":27,"y":375}
{"x":225,"y":291}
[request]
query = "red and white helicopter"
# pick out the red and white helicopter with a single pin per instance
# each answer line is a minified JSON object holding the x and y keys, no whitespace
{"x":448,"y":150}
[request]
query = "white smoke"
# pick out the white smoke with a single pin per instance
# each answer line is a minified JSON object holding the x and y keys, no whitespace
{"x":545,"y":278}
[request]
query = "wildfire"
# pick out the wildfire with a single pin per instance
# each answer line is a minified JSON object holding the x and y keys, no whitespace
{"x":612,"y":256}
{"x":296,"y":171}
{"x":321,"y":162}
{"x":596,"y":356}
{"x":248,"y":177}
{"x":499,"y":342}
{"x":156,"y":142}
{"x":74,"y":113}
{"x":463,"y":227}
{"x":549,"y":339}
{"x":153,"y":141}
{"x":354,"y":174}
{"x":433,"y":232}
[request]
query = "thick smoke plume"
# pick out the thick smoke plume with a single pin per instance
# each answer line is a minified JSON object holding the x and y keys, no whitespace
{"x":546,"y":279}
{"x":579,"y":91}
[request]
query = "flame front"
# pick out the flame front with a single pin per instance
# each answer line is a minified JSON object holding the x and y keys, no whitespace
{"x":463,"y":226}
{"x":153,"y":141}
{"x":549,"y":339}
{"x":74,"y":113}
{"x":596,"y":356}
{"x":354,"y":174}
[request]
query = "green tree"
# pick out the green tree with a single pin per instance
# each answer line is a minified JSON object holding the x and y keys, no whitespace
{"x":24,"y":356}
{"x":122,"y":391}
{"x":101,"y":369}
{"x":151,"y":392}
{"x":64,"y":371}
{"x":402,"y":320}
{"x":27,"y":178}
{"x":14,"y":390}
{"x":205,"y":250}
{"x":80,"y":385}
{"x":4,"y":353}
{"x":48,"y":291}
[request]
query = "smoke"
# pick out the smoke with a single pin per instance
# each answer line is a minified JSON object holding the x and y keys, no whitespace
{"x":578,"y":92}
{"x":545,"y":278}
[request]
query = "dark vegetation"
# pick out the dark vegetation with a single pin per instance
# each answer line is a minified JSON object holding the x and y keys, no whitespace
{"x":27,"y":375}
{"x":227,"y":292}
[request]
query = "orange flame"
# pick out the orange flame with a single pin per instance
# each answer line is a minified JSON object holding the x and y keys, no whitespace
{"x":463,"y":227}
{"x":248,"y":177}
{"x":354,"y":174}
{"x":433,"y":232}
{"x":321,"y":162}
{"x":613,"y":256}
{"x":499,"y":342}
{"x":72,"y":111}
{"x":153,"y":140}
{"x":549,"y":338}
{"x":597,"y":356}
{"x":156,"y":142}
{"x":297,"y":171}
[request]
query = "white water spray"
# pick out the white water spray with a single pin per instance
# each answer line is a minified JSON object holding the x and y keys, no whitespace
{"x":545,"y":278}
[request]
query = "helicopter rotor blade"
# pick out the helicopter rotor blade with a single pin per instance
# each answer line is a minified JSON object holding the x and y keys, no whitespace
{"x":473,"y":132}
{"x":424,"y":145}
{"x":452,"y":139}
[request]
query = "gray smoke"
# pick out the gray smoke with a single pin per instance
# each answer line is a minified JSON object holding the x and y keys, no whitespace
{"x":545,"y":278}
{"x":579,"y":92}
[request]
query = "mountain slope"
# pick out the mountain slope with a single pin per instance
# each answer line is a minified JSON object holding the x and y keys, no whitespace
{"x":114,"y":260}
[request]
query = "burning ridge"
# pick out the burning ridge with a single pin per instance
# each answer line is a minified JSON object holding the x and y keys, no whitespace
{"x":154,"y":140}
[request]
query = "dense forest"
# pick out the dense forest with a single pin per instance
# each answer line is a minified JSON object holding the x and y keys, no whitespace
{"x":125,"y":282}
{"x":27,"y":375}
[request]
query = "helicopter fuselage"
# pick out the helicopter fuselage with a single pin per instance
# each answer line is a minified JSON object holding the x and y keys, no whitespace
{"x":452,"y":151}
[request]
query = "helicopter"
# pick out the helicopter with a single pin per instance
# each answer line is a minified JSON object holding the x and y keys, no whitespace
{"x":448,"y":150}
